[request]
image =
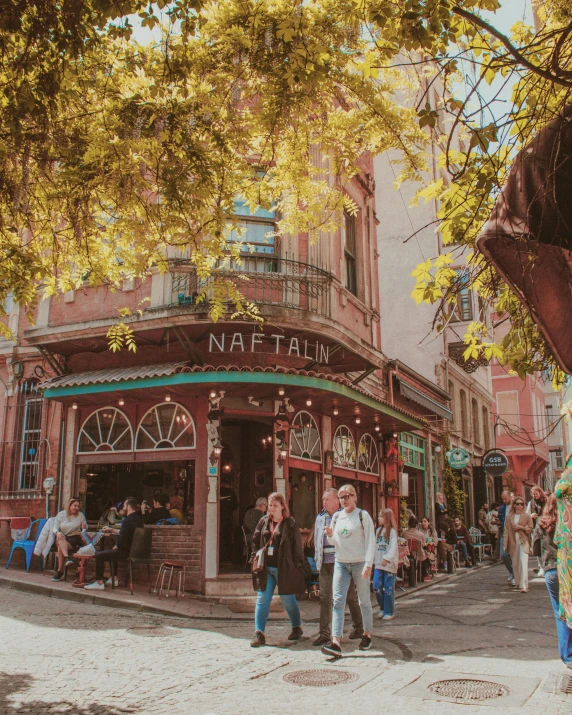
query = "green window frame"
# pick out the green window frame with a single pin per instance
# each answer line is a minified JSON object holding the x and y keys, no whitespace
{"x":412,"y":450}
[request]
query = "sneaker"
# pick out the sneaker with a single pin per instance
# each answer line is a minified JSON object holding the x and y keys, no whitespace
{"x":258,"y":640}
{"x":509,"y":579}
{"x":356,"y":634}
{"x":427,"y":578}
{"x":512,"y":582}
{"x":115,"y":582}
{"x":381,"y":614}
{"x":332,"y":649}
{"x":321,"y":640}
{"x":296,"y":633}
{"x":541,"y":573}
{"x":58,"y":576}
{"x":95,"y":586}
{"x":365,"y":643}
{"x":387,"y":617}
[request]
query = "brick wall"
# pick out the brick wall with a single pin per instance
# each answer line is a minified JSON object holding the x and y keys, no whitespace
{"x":182,"y":543}
{"x":34,"y":508}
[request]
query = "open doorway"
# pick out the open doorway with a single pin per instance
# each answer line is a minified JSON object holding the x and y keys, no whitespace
{"x":246,"y":473}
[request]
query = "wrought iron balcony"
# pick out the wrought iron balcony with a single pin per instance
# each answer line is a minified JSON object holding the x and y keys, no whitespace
{"x":264,"y":280}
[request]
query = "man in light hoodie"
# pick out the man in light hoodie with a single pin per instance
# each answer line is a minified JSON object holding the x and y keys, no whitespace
{"x":325,"y":556}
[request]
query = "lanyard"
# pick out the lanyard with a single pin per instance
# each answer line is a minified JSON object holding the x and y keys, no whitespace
{"x":273,"y":528}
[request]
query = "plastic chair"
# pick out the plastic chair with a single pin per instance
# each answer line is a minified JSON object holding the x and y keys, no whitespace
{"x":475,"y":536}
{"x":140,"y":553}
{"x":28,"y":543}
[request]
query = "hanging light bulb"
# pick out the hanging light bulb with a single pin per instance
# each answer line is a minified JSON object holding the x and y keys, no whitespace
{"x":309,"y":402}
{"x":377,"y":428}
{"x":281,"y":391}
{"x":121,"y":402}
{"x":213,"y":394}
{"x":358,"y":420}
{"x":74,"y":405}
{"x":336,"y":411}
{"x":167,"y":398}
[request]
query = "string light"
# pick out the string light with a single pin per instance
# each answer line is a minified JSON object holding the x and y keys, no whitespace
{"x":309,"y":402}
{"x":336,"y":411}
{"x":74,"y":405}
{"x":121,"y":402}
{"x":167,"y":398}
{"x":213,"y":394}
{"x":358,"y":420}
{"x":281,"y":391}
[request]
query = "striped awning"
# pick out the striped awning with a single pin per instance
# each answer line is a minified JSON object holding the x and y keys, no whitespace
{"x":116,"y":374}
{"x":410,"y":393}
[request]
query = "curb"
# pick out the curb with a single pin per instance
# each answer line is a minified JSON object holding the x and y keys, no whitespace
{"x":109,"y":602}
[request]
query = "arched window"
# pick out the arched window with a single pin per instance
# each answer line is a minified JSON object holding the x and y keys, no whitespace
{"x":453,"y":406}
{"x":166,"y":426}
{"x":305,"y":439}
{"x":367,"y":455}
{"x":106,"y":430}
{"x":476,"y":430}
{"x":344,"y":448}
{"x":464,"y":415}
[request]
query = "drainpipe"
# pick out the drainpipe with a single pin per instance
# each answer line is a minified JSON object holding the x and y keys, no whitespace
{"x":390,"y":375}
{"x":62,"y":455}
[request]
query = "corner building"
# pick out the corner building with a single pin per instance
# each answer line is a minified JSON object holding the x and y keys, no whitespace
{"x":215,"y":414}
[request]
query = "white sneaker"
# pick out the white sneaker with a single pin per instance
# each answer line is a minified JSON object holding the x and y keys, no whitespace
{"x":541,"y":573}
{"x":388,"y":618}
{"x":512,"y":582}
{"x":95,"y":586}
{"x":109,"y":583}
{"x":509,"y":578}
{"x":381,"y":614}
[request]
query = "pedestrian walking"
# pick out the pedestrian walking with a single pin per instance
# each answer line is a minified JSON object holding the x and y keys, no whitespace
{"x":546,"y":549}
{"x":352,"y":533}
{"x":325,"y":557}
{"x":534,"y":508}
{"x":386,"y":561}
{"x":278,"y":537}
{"x":503,"y":512}
{"x":518,"y":527}
{"x":563,"y":538}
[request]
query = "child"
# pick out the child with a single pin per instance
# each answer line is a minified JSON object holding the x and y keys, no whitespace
{"x":385,"y":564}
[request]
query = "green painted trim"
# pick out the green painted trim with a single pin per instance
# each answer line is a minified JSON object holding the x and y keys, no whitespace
{"x":260,"y":378}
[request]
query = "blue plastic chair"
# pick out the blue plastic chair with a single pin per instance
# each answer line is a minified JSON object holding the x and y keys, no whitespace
{"x":28,"y":542}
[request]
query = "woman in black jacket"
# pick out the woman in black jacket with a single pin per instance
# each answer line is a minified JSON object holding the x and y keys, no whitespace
{"x":278,"y":535}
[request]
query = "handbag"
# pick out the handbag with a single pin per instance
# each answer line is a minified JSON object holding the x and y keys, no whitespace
{"x":258,"y":562}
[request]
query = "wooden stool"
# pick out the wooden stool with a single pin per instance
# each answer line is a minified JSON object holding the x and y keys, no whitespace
{"x":80,"y":580}
{"x":171,"y":567}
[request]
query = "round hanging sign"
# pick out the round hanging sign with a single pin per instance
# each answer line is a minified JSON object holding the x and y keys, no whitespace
{"x":458,"y":458}
{"x":495,"y":463}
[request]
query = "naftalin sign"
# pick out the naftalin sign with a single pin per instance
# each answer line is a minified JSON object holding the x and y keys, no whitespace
{"x":274,"y":343}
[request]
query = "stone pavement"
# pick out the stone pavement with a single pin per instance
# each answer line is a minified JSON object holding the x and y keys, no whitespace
{"x":64,"y":657}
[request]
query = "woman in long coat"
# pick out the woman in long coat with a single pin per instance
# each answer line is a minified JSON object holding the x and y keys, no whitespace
{"x":516,"y":541}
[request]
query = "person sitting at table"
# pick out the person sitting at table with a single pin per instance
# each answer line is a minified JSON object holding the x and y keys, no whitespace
{"x":68,"y":526}
{"x":133,"y":520}
{"x":430,"y":546}
{"x":447,"y":540}
{"x":159,"y":510}
{"x":464,"y":543}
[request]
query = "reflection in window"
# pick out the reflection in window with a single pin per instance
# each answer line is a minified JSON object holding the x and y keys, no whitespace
{"x":463,"y":308}
{"x":106,"y":430}
{"x":367,"y":455}
{"x":344,"y":448}
{"x":166,"y":426}
{"x":305,"y":438}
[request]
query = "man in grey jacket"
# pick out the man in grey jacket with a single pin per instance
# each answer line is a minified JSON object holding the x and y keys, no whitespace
{"x":325,"y":556}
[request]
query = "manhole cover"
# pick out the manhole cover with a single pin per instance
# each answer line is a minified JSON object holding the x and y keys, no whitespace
{"x":321,"y":677}
{"x":153,"y":631}
{"x":468,"y":690}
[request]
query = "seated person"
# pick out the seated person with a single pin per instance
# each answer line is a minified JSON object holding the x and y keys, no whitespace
{"x":464,"y":543}
{"x":253,"y":516}
{"x":446,"y":545}
{"x":159,"y":510}
{"x":175,"y":507}
{"x":412,"y":532}
{"x":68,"y":526}
{"x":133,"y":520}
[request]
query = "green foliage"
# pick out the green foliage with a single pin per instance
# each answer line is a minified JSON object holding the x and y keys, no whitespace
{"x":403,"y":514}
{"x":454,"y":495}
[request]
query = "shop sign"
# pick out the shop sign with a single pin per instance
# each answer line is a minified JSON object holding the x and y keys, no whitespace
{"x":495,"y":463}
{"x":458,"y":458}
{"x":274,"y":343}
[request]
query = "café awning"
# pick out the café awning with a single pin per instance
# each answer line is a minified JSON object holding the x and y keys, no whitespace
{"x":410,"y":393}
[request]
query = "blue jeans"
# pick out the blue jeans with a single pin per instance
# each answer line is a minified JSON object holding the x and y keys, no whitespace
{"x":505,"y":556}
{"x":384,"y":589}
{"x":264,"y":599}
{"x":343,"y":574}
{"x":462,"y":547}
{"x":564,"y":633}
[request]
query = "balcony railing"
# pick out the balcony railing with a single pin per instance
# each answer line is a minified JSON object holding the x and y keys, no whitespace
{"x":264,"y":280}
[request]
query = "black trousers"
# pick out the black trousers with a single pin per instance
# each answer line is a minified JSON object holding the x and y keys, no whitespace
{"x":102,"y":556}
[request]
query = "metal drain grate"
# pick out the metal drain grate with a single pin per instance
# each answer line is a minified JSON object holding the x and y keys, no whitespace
{"x":320,"y":678}
{"x":153,"y":631}
{"x":468,"y":690}
{"x":566,"y":684}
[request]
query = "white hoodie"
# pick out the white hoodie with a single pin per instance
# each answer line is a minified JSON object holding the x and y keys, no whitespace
{"x":354,"y":538}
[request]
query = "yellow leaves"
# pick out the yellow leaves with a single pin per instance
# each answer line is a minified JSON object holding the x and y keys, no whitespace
{"x":432,"y":191}
{"x":119,"y":336}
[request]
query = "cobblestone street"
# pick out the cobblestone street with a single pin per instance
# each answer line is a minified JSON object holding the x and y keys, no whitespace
{"x":74,"y":658}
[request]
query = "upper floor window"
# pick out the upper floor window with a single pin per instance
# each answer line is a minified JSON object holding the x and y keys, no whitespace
{"x":486,"y":429}
{"x":350,"y":257}
{"x":453,"y":406}
{"x":462,"y":310}
{"x":464,"y":415}
{"x":507,"y":412}
{"x":257,"y":229}
{"x":476,"y":429}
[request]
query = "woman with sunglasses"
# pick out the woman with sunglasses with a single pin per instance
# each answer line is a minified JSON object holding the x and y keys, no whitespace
{"x":351,"y":531}
{"x":518,"y":527}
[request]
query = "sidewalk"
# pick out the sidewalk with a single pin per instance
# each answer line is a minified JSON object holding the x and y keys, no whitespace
{"x":191,"y":606}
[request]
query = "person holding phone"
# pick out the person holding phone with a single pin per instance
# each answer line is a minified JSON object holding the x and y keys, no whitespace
{"x":278,"y":535}
{"x":351,"y":531}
